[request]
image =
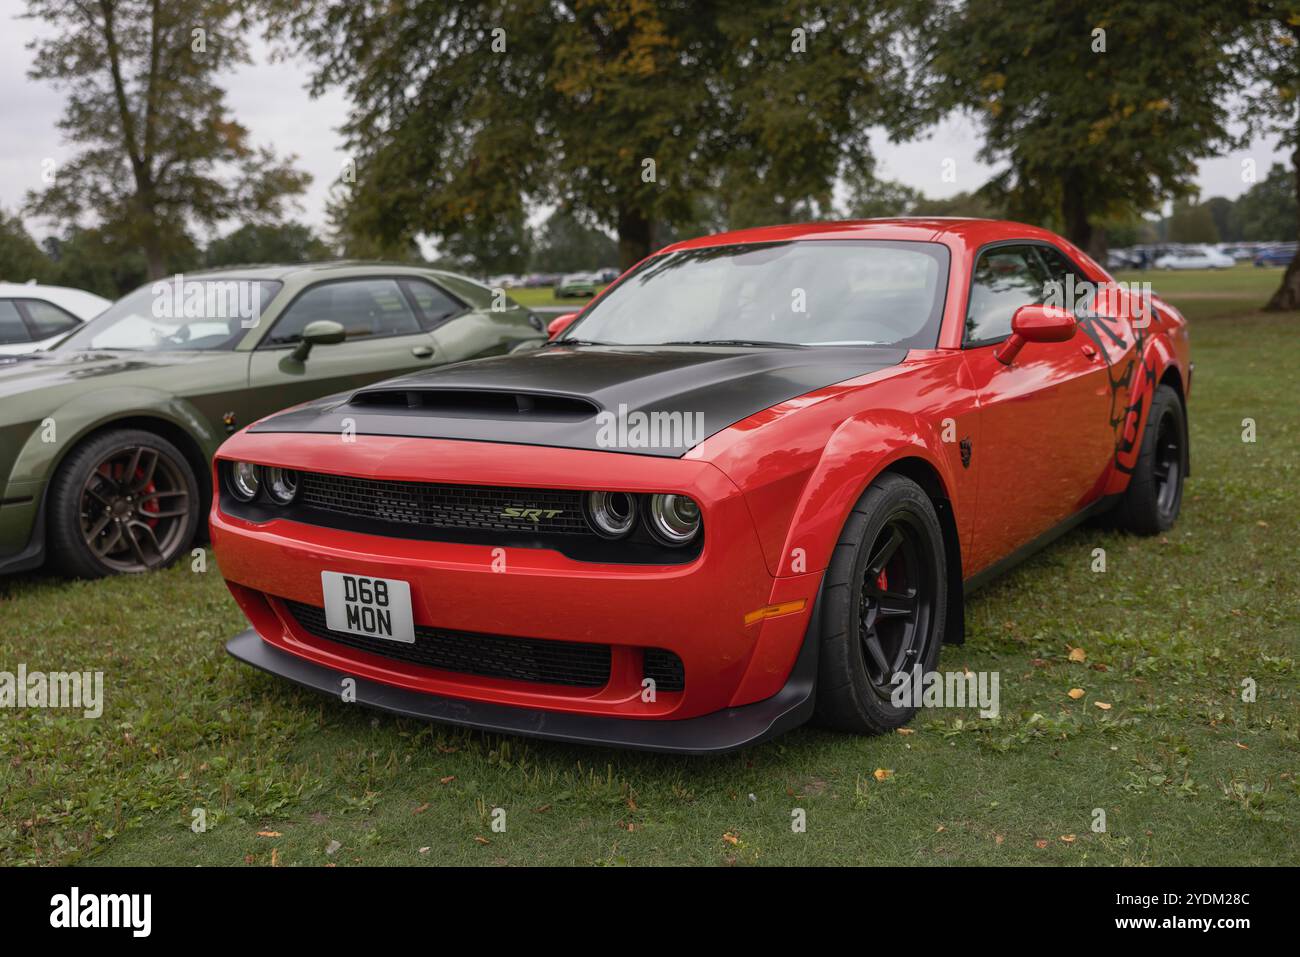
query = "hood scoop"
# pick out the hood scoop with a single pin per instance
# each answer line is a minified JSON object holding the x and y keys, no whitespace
{"x":476,"y":403}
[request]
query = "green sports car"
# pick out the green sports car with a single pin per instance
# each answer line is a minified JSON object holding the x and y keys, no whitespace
{"x":105,"y":439}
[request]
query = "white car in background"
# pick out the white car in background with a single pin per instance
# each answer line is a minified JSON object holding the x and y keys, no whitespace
{"x":1196,"y":257}
{"x":34,"y":317}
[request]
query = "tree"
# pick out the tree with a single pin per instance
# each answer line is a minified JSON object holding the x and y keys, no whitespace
{"x":565,"y":245}
{"x":1268,"y":210}
{"x":1091,"y":120}
{"x":629,"y":113}
{"x":1223,"y":212}
{"x":100,"y":261}
{"x":157,"y":148}
{"x":20,"y":258}
{"x":1192,"y":223}
{"x":287,"y":243}
{"x":1268,"y":58}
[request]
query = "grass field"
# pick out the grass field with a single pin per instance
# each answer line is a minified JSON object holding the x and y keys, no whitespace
{"x":1185,"y":771}
{"x":544,"y":297}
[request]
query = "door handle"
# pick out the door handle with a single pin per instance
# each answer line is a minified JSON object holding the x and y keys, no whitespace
{"x":422,"y":352}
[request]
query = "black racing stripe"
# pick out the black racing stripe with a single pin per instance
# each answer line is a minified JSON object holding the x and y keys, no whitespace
{"x":576,"y":397}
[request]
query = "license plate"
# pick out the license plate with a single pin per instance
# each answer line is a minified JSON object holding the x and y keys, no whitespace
{"x":373,"y":607}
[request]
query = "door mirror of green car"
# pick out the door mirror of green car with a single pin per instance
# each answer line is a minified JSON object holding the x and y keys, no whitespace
{"x":322,"y":332}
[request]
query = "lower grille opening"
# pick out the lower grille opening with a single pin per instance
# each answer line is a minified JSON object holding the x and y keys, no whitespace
{"x":489,"y":656}
{"x":666,"y":669}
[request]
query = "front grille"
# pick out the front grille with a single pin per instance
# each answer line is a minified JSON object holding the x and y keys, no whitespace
{"x":666,"y":669}
{"x":488,"y":656}
{"x":479,"y":507}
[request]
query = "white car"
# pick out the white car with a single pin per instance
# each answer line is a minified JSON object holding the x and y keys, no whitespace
{"x":34,"y":317}
{"x":1202,"y":257}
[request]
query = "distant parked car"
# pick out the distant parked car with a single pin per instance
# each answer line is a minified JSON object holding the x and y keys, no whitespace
{"x":34,"y":317}
{"x":1202,"y":257}
{"x":607,"y":275}
{"x":577,"y":284}
{"x":1276,"y":255}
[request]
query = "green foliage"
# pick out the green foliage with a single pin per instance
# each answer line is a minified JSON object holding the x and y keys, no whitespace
{"x":1192,"y":223}
{"x":20,"y":258}
{"x":157,"y":149}
{"x":253,"y":243}
{"x":563,"y":244}
{"x":1268,"y":211}
{"x":628,"y":113}
{"x":1087,"y":135}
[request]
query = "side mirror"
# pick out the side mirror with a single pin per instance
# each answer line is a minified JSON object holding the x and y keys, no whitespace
{"x":322,"y":332}
{"x":560,"y":323}
{"x":1036,"y":324}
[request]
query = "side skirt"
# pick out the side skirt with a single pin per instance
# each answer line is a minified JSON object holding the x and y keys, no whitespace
{"x":1029,"y":549}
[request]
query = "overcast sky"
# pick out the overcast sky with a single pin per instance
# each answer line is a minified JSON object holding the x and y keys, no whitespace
{"x":270,"y":99}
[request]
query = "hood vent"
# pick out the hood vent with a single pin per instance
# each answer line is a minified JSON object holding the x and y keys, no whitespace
{"x":476,"y":402}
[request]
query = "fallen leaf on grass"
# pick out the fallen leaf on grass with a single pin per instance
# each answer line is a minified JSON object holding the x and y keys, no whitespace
{"x":907,"y":731}
{"x":421,"y":809}
{"x":1040,"y":844}
{"x":731,"y":839}
{"x":268,"y":833}
{"x":1078,"y":654}
{"x":447,"y":780}
{"x":1102,"y":705}
{"x":1244,"y":747}
{"x":424,"y":850}
{"x":998,"y":838}
{"x":1067,"y":838}
{"x":332,"y":848}
{"x":541,"y":810}
{"x":882,"y":774}
{"x":481,"y":840}
{"x":1075,"y":693}
{"x":275,"y":857}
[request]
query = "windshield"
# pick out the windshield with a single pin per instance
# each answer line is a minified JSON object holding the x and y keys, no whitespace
{"x":177,"y":315}
{"x":813,"y":292}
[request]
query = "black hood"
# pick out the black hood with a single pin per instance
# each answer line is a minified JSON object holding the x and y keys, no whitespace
{"x":645,"y":400}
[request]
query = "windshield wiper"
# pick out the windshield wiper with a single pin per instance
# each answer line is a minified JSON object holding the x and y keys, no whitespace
{"x":735,"y":342}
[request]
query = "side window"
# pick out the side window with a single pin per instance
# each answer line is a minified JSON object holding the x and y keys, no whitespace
{"x":433,"y":304}
{"x":12,"y":327}
{"x":366,"y":308}
{"x":1006,"y":278}
{"x":1059,"y":271}
{"x":48,"y":319}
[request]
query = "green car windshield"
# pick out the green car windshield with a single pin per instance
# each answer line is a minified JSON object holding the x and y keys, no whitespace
{"x":801,"y":293}
{"x":178,"y":315}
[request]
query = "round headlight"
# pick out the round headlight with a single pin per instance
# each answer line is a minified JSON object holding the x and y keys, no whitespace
{"x":245,"y":480}
{"x":612,"y":514}
{"x":282,"y":484}
{"x":674,"y":519}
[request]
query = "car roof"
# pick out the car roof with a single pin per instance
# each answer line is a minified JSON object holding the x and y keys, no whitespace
{"x":84,"y":305}
{"x":968,"y":230}
{"x":339,"y":268}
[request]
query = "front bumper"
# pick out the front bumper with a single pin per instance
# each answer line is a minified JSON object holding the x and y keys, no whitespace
{"x":697,"y":610}
{"x":715,"y":733}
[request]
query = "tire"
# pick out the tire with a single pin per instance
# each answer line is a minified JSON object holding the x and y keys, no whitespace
{"x":853,"y":682}
{"x":132,"y":494}
{"x":1154,"y":495}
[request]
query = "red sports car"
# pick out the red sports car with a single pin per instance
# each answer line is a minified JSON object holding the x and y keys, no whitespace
{"x":751,"y":484}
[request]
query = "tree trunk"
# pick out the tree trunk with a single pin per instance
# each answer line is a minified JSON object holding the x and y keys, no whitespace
{"x":635,"y":237}
{"x":153,"y":255}
{"x":1287,"y":297}
{"x":1078,"y":229}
